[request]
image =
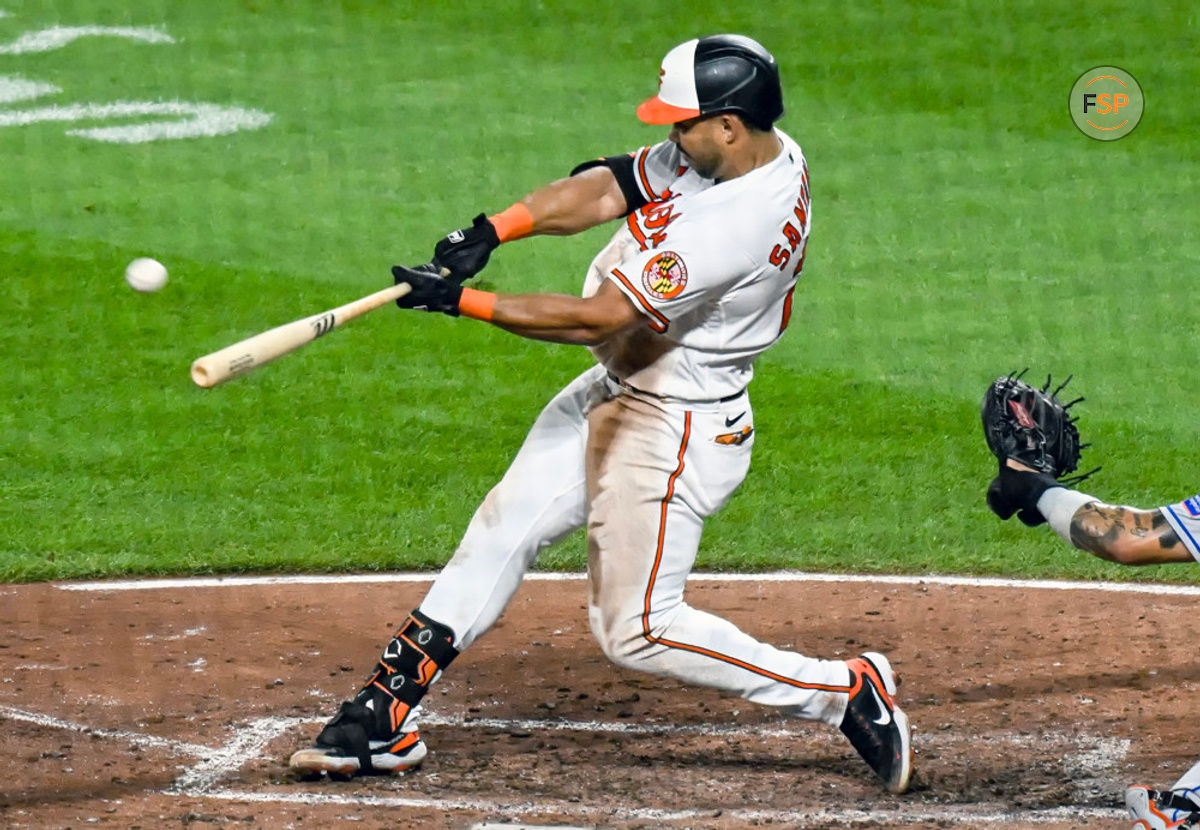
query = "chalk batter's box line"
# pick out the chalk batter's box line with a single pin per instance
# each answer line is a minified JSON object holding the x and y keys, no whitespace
{"x":949,"y":815}
{"x":922,"y":740}
{"x":1156,"y":589}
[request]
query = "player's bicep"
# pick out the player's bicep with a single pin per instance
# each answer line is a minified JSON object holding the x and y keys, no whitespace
{"x":622,"y":194}
{"x":612,"y":311}
{"x":613,"y":200}
{"x":576,"y":203}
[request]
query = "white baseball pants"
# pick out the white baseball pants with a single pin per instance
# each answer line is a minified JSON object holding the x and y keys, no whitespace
{"x":642,"y":474}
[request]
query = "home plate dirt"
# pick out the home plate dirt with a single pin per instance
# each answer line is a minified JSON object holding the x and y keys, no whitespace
{"x":177,"y":705}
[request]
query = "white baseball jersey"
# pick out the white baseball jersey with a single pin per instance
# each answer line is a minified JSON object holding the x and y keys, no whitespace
{"x":712,"y":267}
{"x":1184,"y":517}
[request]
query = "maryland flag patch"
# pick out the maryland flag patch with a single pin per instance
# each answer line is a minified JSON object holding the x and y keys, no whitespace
{"x":665,"y":276}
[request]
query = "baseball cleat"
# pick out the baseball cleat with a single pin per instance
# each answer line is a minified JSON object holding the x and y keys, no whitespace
{"x":1154,"y":810}
{"x":875,"y":725}
{"x":344,"y":747}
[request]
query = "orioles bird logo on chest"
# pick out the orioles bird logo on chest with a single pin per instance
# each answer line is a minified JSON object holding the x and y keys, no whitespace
{"x":665,"y":276}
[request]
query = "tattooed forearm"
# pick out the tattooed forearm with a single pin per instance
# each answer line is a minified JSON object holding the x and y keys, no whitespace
{"x":1095,"y":527}
{"x":1121,"y":533}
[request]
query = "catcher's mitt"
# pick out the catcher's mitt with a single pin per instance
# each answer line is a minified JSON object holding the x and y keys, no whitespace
{"x":1031,"y":425}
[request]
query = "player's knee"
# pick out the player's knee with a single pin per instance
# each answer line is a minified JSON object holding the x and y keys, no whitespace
{"x":621,"y":637}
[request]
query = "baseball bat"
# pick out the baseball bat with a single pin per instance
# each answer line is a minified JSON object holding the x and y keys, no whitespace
{"x":246,"y":355}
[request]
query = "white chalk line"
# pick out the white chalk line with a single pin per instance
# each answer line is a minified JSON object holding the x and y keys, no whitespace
{"x":1091,"y":769}
{"x":201,"y":780}
{"x":198,"y":120}
{"x":956,"y":814}
{"x":57,"y":37}
{"x":1105,"y":751}
{"x":1157,"y":589}
{"x":247,"y":745}
{"x":193,"y":120}
{"x":14,"y":89}
{"x":136,"y":738}
{"x":506,"y":826}
{"x":611,"y":727}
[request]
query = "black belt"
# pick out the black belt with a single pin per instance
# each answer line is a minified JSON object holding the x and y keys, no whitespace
{"x":633,"y":388}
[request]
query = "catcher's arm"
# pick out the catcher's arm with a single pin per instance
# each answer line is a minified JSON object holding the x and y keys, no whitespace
{"x":1121,"y":534}
{"x":1117,"y":533}
{"x":1127,"y":535}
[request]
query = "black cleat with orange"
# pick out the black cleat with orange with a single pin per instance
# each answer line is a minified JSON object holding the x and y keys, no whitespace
{"x":875,"y":725}
{"x":377,"y":730}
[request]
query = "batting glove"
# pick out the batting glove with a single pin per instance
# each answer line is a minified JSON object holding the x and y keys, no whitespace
{"x":430,"y":292}
{"x":465,"y":251}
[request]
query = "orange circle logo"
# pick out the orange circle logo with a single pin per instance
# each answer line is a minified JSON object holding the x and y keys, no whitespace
{"x":665,"y":276}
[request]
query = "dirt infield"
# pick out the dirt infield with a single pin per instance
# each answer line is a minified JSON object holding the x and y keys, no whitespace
{"x":174,"y":707}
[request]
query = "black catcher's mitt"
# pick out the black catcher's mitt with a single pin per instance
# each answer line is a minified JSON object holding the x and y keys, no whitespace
{"x":1030,"y":426}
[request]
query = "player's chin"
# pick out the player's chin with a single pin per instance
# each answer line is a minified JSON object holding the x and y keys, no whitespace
{"x":705,"y":171}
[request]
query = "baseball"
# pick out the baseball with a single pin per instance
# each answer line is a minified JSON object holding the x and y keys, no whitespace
{"x":145,"y":274}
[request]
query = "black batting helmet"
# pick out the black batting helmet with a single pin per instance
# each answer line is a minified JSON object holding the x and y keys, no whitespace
{"x":718,"y":73}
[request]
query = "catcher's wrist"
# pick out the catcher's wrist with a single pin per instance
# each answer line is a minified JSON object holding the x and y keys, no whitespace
{"x":1059,"y":505}
{"x":514,"y":222}
{"x":478,"y":305}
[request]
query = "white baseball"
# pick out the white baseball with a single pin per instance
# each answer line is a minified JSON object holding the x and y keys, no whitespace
{"x":145,"y":274}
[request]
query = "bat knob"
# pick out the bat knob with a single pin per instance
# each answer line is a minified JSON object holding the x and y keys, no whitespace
{"x":201,"y":376}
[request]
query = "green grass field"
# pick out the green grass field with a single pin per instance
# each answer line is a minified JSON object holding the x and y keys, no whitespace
{"x":963,"y":227}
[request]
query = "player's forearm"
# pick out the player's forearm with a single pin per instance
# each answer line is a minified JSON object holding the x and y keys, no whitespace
{"x":575,"y":204}
{"x":556,"y":318}
{"x":1126,"y":535}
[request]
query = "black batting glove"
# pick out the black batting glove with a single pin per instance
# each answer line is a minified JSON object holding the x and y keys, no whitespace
{"x":465,"y":251}
{"x":1017,"y":491}
{"x":430,"y":292}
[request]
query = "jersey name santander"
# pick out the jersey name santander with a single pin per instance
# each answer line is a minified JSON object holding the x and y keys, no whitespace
{"x":711,"y":266}
{"x":1184,"y":517}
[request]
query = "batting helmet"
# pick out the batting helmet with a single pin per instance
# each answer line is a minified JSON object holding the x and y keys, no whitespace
{"x":718,"y":73}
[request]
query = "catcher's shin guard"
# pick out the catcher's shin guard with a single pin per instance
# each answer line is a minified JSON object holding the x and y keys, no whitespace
{"x":375,"y":732}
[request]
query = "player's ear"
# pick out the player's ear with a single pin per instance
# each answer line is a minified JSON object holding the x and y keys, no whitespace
{"x":731,"y":127}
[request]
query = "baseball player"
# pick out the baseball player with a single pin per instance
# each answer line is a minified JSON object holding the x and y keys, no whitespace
{"x":1131,"y":537}
{"x":694,"y":285}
